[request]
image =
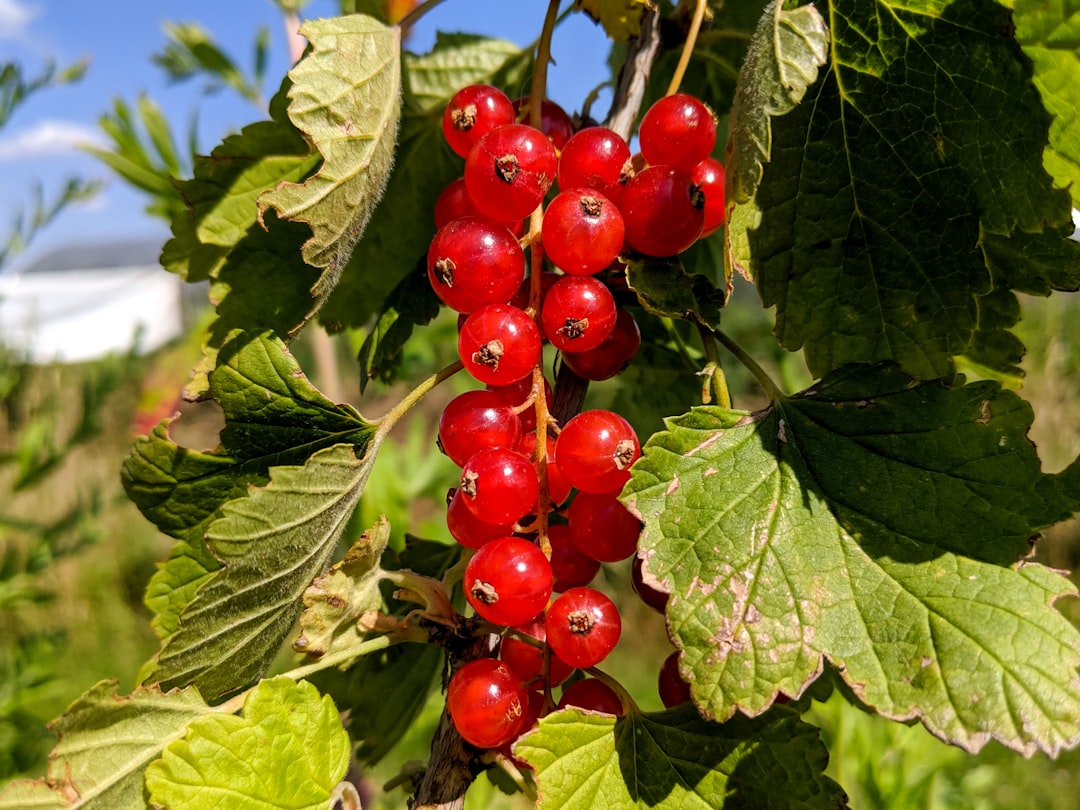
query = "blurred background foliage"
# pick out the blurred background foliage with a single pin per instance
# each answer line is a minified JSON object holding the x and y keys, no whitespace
{"x":75,"y":555}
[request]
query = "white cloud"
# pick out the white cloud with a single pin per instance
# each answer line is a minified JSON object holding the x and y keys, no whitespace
{"x":49,"y":137}
{"x":14,"y":16}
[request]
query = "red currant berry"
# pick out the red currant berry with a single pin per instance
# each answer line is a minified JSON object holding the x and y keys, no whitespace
{"x":499,"y":486}
{"x":613,"y":355}
{"x":678,"y":131}
{"x":650,"y":595}
{"x":515,"y":395}
{"x":674,"y":691}
{"x":583,"y":231}
{"x":602,"y":528}
{"x":579,"y":313}
{"x":454,"y":202}
{"x":593,"y":695}
{"x":472,"y":262}
{"x":474,"y":421}
{"x":487,"y":703}
{"x":509,"y":171}
{"x":472,"y":112}
{"x":499,"y":344}
{"x":526,"y":660}
{"x":555,"y":123}
{"x":583,"y":626}
{"x":709,"y":176}
{"x":569,"y":567}
{"x":468,"y":529}
{"x":595,"y":451}
{"x":663,"y":211}
{"x":558,"y":486}
{"x":508,"y":581}
{"x":593,"y":158}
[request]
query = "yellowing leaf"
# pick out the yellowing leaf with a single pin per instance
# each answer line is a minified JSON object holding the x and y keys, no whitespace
{"x":621,"y":18}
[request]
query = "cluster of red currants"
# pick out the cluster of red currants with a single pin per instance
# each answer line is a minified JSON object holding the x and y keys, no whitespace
{"x":545,"y":525}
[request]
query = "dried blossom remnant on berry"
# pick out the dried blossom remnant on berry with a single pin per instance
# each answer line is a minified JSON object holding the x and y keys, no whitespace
{"x":489,"y":354}
{"x":580,"y":622}
{"x":697,"y":196}
{"x":468,"y":483}
{"x":573,"y":329}
{"x":444,"y":271}
{"x":484,"y":592}
{"x":591,"y":206}
{"x":507,"y":168}
{"x":464,"y":118}
{"x":514,"y":710}
{"x":623,"y":455}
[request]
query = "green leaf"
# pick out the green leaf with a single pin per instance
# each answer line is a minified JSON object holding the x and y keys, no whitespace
{"x":26,"y":794}
{"x":106,"y":743}
{"x":874,"y":522}
{"x":337,"y":600}
{"x":273,"y":416}
{"x":221,"y":197}
{"x":907,"y":148}
{"x":1048,"y":32}
{"x":664,"y":288}
{"x":412,"y":303}
{"x":677,"y":760}
{"x":402,"y":227}
{"x":288,"y":750}
{"x":273,"y":543}
{"x":621,"y":18}
{"x":345,"y":96}
{"x":785,"y":53}
{"x":191,"y":50}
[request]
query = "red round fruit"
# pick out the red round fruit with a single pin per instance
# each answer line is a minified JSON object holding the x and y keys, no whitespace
{"x":613,"y":355}
{"x":709,"y":176}
{"x":508,"y":581}
{"x":602,"y":528}
{"x":499,"y":344}
{"x":663,"y":211}
{"x":527,"y":661}
{"x":509,"y":171}
{"x":678,"y":130}
{"x":487,"y":703}
{"x":569,"y":567}
{"x":555,"y":123}
{"x":591,"y":694}
{"x":583,"y":626}
{"x":558,"y":487}
{"x":472,"y":112}
{"x":579,"y":313}
{"x":595,"y":451}
{"x":499,"y":486}
{"x":582,"y":232}
{"x":674,"y":691}
{"x":593,"y":158}
{"x":474,"y":421}
{"x":467,"y":528}
{"x":651,"y":596}
{"x":473,"y":261}
{"x":515,"y":395}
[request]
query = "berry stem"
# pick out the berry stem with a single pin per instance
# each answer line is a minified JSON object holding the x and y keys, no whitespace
{"x":387,"y":421}
{"x":688,"y":48}
{"x":633,"y":80}
{"x":543,"y":58}
{"x":410,"y":19}
{"x":714,"y":386}
{"x":771,"y":388}
{"x":628,"y":703}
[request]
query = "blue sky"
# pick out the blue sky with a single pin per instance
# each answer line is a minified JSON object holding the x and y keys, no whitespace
{"x":120,"y":36}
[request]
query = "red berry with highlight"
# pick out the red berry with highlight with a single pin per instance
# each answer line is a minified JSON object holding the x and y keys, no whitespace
{"x":709,"y":176}
{"x":499,"y":344}
{"x":596,"y":158}
{"x":473,"y":262}
{"x":663,"y":211}
{"x":472,"y":112}
{"x":474,"y":421}
{"x":583,"y":231}
{"x":578,"y":314}
{"x":467,"y":528}
{"x":509,"y":171}
{"x":508,"y":581}
{"x":678,"y":130}
{"x":499,"y":486}
{"x":595,"y":451}
{"x":583,"y":626}
{"x":487,"y":703}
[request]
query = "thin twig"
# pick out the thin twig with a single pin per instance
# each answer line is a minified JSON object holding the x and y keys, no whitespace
{"x":410,"y":19}
{"x":688,"y":48}
{"x":641,"y":52}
